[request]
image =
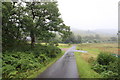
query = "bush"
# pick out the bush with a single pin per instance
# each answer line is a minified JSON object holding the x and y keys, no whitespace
{"x":107,"y":65}
{"x":91,"y":60}
{"x":22,"y":58}
{"x":107,"y":71}
{"x":43,"y":59}
{"x":105,"y":58}
{"x":17,"y":62}
{"x":69,"y":44}
{"x":53,"y":51}
{"x":50,"y":50}
{"x":113,"y":67}
{"x":109,"y":74}
{"x":99,"y":68}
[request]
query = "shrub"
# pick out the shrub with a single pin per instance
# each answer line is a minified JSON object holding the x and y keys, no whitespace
{"x":99,"y":68}
{"x":91,"y":60}
{"x":106,"y":71}
{"x":107,"y":65}
{"x":109,"y":74}
{"x":52,"y":51}
{"x":105,"y":58}
{"x":69,"y":44}
{"x":43,"y":59}
{"x":18,"y":62}
{"x":113,"y":67}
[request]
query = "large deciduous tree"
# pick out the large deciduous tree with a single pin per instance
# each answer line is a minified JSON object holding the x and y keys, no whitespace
{"x":35,"y":19}
{"x":46,"y":20}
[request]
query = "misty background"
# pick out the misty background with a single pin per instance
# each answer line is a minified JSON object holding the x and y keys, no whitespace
{"x":90,"y":16}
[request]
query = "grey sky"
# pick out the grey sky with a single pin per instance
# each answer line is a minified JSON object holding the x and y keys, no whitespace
{"x":89,"y":14}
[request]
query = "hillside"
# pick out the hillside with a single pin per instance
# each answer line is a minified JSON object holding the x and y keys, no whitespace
{"x":105,"y":33}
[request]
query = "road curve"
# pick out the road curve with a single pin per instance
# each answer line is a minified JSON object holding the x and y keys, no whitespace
{"x":65,"y":67}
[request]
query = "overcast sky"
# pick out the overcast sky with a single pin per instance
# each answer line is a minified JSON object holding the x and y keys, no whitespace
{"x":89,"y":14}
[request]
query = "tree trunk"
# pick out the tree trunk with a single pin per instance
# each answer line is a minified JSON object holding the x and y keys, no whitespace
{"x":32,"y":39}
{"x":32,"y":35}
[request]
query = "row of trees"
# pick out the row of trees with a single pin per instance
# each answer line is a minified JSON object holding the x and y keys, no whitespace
{"x":89,"y":39}
{"x":39,"y":21}
{"x":73,"y":39}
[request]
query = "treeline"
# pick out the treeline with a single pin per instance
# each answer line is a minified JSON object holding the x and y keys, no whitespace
{"x":73,"y":39}
{"x":77,"y":38}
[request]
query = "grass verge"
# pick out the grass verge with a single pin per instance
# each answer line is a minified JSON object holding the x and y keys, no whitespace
{"x":64,"y":45}
{"x":84,"y":68}
{"x":39,"y":71}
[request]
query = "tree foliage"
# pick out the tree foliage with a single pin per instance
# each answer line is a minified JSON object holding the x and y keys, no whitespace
{"x":73,"y":39}
{"x":40,"y":21}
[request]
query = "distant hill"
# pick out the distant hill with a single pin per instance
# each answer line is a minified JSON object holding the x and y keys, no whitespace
{"x":101,"y":32}
{"x":112,"y":32}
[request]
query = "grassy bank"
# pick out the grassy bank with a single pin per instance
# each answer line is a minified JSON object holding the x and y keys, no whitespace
{"x":84,"y":68}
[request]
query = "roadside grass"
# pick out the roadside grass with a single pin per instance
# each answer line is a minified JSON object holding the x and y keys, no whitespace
{"x":64,"y":45}
{"x":60,"y":45}
{"x":90,"y":58}
{"x":84,"y":68}
{"x":38,"y":71}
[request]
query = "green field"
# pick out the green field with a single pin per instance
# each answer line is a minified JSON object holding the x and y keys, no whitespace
{"x":85,"y":61}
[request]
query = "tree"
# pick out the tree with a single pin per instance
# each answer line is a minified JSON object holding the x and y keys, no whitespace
{"x":97,"y":36}
{"x":79,"y":39}
{"x":10,"y":24}
{"x":113,"y":39}
{"x":47,"y":21}
{"x":71,"y":39}
{"x":40,"y":21}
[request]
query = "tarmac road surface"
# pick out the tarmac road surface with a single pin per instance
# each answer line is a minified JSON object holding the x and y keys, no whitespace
{"x":65,"y":67}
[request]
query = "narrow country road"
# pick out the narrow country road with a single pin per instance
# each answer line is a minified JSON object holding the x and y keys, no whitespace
{"x":65,"y":67}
